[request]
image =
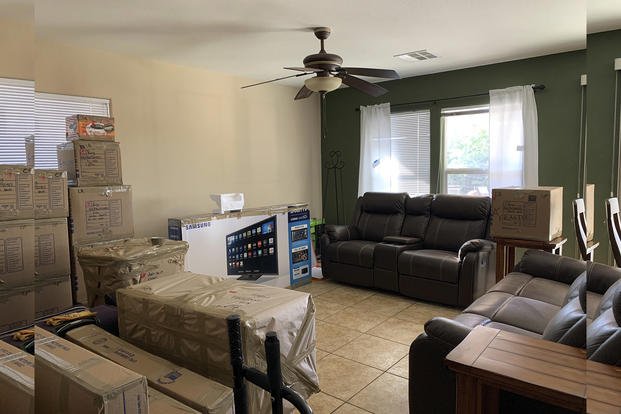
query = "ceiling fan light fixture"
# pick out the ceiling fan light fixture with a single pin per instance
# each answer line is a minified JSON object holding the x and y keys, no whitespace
{"x":323,"y":83}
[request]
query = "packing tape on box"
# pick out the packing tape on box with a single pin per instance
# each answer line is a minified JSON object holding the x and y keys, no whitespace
{"x":24,"y":380}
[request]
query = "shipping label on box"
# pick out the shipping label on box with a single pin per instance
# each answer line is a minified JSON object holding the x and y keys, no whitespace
{"x":91,"y":163}
{"x":17,"y":373}
{"x":192,"y":389}
{"x":17,"y":251}
{"x":17,"y":307}
{"x":100,"y":214}
{"x":51,"y":197}
{"x":527,"y":213}
{"x":73,"y":380}
{"x":90,"y":127}
{"x":16,"y":192}
{"x":52,"y":248}
{"x":52,"y":296}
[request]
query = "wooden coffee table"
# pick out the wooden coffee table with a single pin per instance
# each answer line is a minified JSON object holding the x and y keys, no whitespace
{"x":490,"y":360}
{"x":603,"y":388}
{"x":505,"y":251}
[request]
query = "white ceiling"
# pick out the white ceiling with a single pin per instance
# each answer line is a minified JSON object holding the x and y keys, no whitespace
{"x":603,"y":15}
{"x":255,"y":39}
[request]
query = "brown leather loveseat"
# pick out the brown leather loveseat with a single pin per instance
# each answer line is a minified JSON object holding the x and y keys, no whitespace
{"x":431,"y":247}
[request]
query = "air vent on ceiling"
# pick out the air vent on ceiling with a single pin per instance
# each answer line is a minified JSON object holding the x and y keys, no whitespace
{"x":416,"y":55}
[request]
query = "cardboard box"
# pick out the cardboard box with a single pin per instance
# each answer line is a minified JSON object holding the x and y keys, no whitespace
{"x":162,"y":404}
{"x":73,"y":380}
{"x":29,"y":142}
{"x":78,"y":286}
{"x":17,"y":376}
{"x":17,"y":306}
{"x":16,"y":192}
{"x":90,"y":127}
{"x":51,"y":198}
{"x":91,"y":163}
{"x":52,"y":296}
{"x":200,"y":393}
{"x":17,"y":251}
{"x":527,"y":213}
{"x":100,"y":214}
{"x":51,"y":248}
{"x":115,"y":265}
{"x":589,"y":206}
{"x":183,"y":318}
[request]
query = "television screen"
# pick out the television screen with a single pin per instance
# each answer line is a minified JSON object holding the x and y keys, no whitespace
{"x":253,"y":249}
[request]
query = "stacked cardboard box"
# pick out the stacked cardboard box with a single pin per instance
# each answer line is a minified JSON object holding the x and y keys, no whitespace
{"x":17,"y":245}
{"x":52,"y":266}
{"x":16,"y":380}
{"x":100,"y":205}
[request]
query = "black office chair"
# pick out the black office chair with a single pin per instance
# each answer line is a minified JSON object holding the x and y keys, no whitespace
{"x":587,"y":248}
{"x":271,"y":382}
{"x":614,"y":228}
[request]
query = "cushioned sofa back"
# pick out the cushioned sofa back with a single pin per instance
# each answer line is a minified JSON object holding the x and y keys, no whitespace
{"x":604,"y":333}
{"x":455,"y":220}
{"x":551,"y":266}
{"x":381,"y":214}
{"x":417,"y":213}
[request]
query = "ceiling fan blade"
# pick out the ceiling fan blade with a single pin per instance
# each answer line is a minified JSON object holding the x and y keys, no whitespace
{"x":277,"y":79}
{"x":375,"y":73}
{"x":309,"y":70}
{"x":304,"y":92}
{"x":362,"y":85}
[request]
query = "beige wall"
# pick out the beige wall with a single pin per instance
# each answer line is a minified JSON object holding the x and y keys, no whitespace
{"x":186,"y":133}
{"x":16,"y":47}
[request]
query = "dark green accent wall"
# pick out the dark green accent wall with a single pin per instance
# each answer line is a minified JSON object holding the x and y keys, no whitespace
{"x":602,"y":49}
{"x":558,"y":109}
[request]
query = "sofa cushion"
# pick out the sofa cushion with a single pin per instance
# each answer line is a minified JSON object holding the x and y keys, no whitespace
{"x":545,"y":290}
{"x":417,"y":211}
{"x":514,"y":329}
{"x":512,"y":283}
{"x":353,"y":252}
{"x":430,"y":264}
{"x":568,"y":326}
{"x":488,"y":304}
{"x":530,"y":314}
{"x":455,"y":220}
{"x":381,"y":214}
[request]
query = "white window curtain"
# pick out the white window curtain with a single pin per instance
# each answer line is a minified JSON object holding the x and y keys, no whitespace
{"x":514,"y":153}
{"x":375,"y":148}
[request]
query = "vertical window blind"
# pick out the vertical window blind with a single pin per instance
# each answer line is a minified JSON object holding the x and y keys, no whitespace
{"x":51,"y":111}
{"x":17,"y":119}
{"x":410,"y":151}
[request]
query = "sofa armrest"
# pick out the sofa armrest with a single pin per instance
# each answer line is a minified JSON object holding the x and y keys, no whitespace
{"x":475,"y":246}
{"x":401,"y":240}
{"x":446,"y":330}
{"x":340,"y":232}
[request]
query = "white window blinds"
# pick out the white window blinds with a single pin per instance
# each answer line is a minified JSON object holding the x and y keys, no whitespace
{"x":410,"y":151}
{"x":16,"y":119}
{"x":51,"y":111}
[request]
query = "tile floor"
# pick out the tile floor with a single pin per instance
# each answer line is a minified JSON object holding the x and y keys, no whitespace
{"x":363,"y":338}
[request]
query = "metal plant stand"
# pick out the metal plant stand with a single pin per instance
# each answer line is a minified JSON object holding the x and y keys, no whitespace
{"x":334,"y":166}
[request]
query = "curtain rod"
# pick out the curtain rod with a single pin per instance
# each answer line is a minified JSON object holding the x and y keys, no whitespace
{"x":535,"y":88}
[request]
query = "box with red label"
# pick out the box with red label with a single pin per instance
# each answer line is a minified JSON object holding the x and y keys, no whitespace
{"x":90,"y":127}
{"x":91,"y":163}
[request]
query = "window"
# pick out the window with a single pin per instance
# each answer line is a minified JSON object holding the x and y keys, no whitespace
{"x":24,"y":112}
{"x":410,"y":154}
{"x":16,"y":119}
{"x":465,"y":139}
{"x":51,"y":111}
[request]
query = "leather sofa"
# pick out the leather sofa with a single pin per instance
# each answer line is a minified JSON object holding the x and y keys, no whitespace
{"x":430,"y":247}
{"x":546,"y":296}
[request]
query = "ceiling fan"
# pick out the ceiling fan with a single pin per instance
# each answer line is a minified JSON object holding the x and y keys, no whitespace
{"x":329,"y":74}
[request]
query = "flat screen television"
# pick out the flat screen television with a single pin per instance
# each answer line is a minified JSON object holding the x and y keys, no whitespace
{"x":253,"y":250}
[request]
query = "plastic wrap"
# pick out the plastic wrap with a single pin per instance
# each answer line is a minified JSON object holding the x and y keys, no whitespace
{"x":112,"y":266}
{"x":183,"y":318}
